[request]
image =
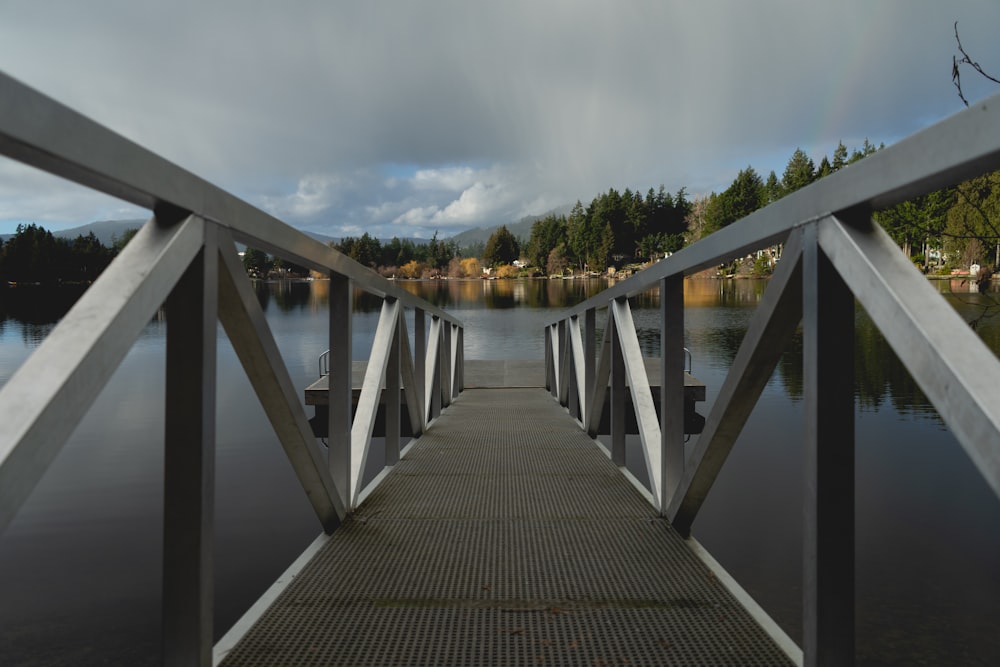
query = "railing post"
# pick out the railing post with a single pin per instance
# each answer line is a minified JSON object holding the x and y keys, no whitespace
{"x":562,"y":350}
{"x":828,"y":373}
{"x":589,"y":361}
{"x":461,"y":359}
{"x":340,"y":384}
{"x":572,"y":390}
{"x":617,"y":394}
{"x":551,"y":362}
{"x":420,"y":363}
{"x":671,"y":385}
{"x":189,"y":461}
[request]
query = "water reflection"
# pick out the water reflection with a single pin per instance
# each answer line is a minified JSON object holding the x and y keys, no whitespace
{"x":924,"y":513}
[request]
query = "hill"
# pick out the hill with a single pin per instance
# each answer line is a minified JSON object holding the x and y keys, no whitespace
{"x":521,"y":229}
{"x":107,"y":231}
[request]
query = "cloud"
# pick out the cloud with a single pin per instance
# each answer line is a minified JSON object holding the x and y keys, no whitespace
{"x":315,"y":194}
{"x":449,"y":178}
{"x":498,"y":109}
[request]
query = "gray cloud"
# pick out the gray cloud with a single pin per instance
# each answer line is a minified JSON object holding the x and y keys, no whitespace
{"x":346,"y":116}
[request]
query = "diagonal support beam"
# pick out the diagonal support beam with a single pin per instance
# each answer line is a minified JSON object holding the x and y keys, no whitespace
{"x":247,"y":329}
{"x":432,"y":374}
{"x":771,"y":328}
{"x":411,"y":387}
{"x":951,"y":365}
{"x":371,"y":390}
{"x":50,"y":393}
{"x":599,"y":387}
{"x":578,"y":388}
{"x":642,"y":397}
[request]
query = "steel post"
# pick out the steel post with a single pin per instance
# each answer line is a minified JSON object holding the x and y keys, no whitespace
{"x":828,"y":499}
{"x":189,"y":461}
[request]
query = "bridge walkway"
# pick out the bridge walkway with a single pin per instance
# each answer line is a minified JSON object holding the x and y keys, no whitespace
{"x":505,"y":536}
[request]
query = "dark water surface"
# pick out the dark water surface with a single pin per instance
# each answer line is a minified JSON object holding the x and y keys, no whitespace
{"x":80,"y":566}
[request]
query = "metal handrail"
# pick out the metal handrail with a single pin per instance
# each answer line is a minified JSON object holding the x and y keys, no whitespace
{"x":834,"y":253}
{"x":185,"y":257}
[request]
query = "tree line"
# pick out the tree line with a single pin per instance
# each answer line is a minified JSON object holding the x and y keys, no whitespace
{"x":34,"y":255}
{"x":950,"y":228}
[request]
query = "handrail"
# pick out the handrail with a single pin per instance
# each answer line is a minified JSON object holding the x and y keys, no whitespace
{"x":834,"y":253}
{"x":185,"y":257}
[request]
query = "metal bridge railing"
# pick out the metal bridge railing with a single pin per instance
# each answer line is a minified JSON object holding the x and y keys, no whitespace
{"x":185,"y":257}
{"x":834,"y":253}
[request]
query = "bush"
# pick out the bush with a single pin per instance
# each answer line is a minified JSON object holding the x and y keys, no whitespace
{"x":507,"y":271}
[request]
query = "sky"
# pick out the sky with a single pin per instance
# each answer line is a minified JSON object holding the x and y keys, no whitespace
{"x":410,"y":118}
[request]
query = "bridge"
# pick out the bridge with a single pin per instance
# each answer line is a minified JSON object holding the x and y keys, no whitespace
{"x":503,"y":531}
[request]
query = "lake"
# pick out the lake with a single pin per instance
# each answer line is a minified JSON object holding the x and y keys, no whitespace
{"x":80,"y":566}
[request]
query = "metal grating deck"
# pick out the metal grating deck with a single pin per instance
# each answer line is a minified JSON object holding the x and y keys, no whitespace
{"x":505,"y":536}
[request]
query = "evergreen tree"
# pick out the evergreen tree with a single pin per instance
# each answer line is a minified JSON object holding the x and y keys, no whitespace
{"x":501,"y":248}
{"x":743,"y":197}
{"x":256,"y":262}
{"x":800,"y":172}
{"x":824,"y":169}
{"x":839,"y":157}
{"x":773,"y":191}
{"x":546,"y":234}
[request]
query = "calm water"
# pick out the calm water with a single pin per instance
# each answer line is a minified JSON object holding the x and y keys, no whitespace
{"x":80,"y":565}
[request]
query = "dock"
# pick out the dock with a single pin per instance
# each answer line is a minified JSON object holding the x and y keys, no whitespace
{"x":492,"y":374}
{"x":504,"y":535}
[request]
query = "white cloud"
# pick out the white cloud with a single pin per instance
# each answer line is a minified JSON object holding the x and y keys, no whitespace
{"x":315,"y":194}
{"x":448,"y":178}
{"x":417,"y":217}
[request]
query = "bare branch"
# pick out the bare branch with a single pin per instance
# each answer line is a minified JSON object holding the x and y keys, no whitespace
{"x":956,"y":64}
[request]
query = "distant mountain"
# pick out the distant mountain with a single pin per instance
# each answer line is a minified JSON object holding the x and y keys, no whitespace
{"x":107,"y":231}
{"x":104,"y":230}
{"x":521,"y":229}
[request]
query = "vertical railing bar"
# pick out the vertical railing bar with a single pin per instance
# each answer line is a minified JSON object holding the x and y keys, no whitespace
{"x":461,"y":359}
{"x":549,"y":366}
{"x":340,"y":384}
{"x":420,"y":363}
{"x":189,"y":461}
{"x":828,"y":499}
{"x":589,"y":350}
{"x":672,"y":402}
{"x":564,"y":363}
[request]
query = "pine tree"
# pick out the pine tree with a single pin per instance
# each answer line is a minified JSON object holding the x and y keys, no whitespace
{"x":800,"y":171}
{"x":501,"y":248}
